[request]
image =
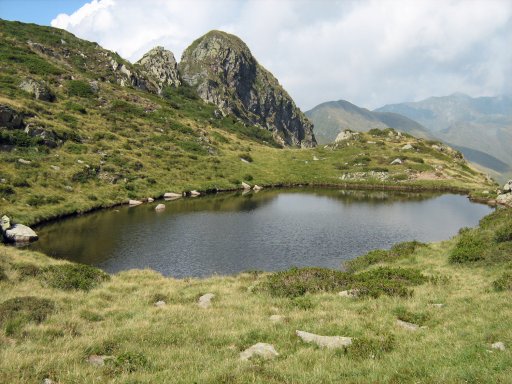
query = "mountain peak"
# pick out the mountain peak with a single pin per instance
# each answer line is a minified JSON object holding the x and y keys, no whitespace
{"x":222,"y":69}
{"x":161,"y":67}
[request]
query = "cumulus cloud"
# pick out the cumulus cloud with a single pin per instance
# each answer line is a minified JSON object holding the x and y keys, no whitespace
{"x":369,"y":52}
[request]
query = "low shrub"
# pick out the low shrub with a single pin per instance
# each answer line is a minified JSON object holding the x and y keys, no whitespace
{"x":91,"y":316}
{"x":370,"y":347}
{"x":397,"y":251}
{"x":503,"y":283}
{"x":128,"y":362}
{"x":470,"y":248}
{"x":3,"y":275}
{"x":86,"y":174}
{"x":16,"y":312}
{"x":419,"y":318}
{"x":73,"y":276}
{"x":26,"y":270}
{"x":503,"y":234}
{"x":80,"y":88}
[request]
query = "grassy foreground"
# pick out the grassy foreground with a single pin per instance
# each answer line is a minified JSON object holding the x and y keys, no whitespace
{"x":90,"y":314}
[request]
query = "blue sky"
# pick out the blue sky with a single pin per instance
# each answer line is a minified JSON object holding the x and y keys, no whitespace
{"x":37,"y":11}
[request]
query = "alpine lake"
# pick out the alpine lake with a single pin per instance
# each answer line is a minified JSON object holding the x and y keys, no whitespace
{"x":271,"y":230}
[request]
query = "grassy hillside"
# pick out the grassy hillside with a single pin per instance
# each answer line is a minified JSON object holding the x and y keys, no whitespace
{"x":458,"y":291}
{"x":103,"y":141}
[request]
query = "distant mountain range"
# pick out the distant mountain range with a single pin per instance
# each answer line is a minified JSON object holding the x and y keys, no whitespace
{"x":481,"y":128}
{"x":334,"y":116}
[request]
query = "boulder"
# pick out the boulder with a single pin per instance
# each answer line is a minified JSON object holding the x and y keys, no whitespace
{"x":330,"y":342}
{"x":245,"y":185}
{"x":505,"y":199}
{"x":257,"y":187}
{"x":11,"y":119}
{"x":205,"y":301}
{"x":23,"y":161}
{"x":500,"y":346}
{"x":407,"y":147}
{"x":17,"y":233}
{"x":507,"y":188}
{"x":344,"y":135}
{"x":194,"y":193}
{"x":263,"y":350}
{"x":48,"y":136}
{"x":396,"y":161}
{"x":172,"y":195}
{"x":37,"y":88}
{"x":406,"y":325}
{"x":150,"y":199}
{"x":134,"y":203}
{"x":161,"y":68}
{"x":349,"y":293}
{"x":160,"y":303}
{"x":160,"y":207}
{"x":315,"y":158}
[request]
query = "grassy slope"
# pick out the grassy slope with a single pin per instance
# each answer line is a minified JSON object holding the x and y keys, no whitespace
{"x":182,"y":343}
{"x":151,"y":145}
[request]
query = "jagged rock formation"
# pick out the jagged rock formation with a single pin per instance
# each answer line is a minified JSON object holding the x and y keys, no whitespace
{"x":161,"y":68}
{"x":222,"y":69}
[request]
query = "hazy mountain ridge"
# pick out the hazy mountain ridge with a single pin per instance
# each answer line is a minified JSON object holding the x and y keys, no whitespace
{"x":483,"y":124}
{"x":332,"y":117}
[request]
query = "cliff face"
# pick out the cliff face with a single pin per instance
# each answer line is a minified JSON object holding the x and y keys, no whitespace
{"x":160,"y":67}
{"x":222,"y":69}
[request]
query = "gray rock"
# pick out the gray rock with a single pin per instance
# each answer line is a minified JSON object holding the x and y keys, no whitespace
{"x":408,"y":326}
{"x":160,"y":303}
{"x":10,"y":118}
{"x":37,"y":88}
{"x":205,"y":301}
{"x":55,"y":167}
{"x":499,"y":345}
{"x":194,"y":193}
{"x":330,"y":342}
{"x":507,"y":188}
{"x":48,"y":136}
{"x":407,"y":147}
{"x":349,"y":293}
{"x":160,"y":207}
{"x":396,"y":161}
{"x":438,"y":305}
{"x":245,"y":185}
{"x":19,"y":233}
{"x":48,"y":381}
{"x":23,"y":161}
{"x":257,"y":187}
{"x":161,"y":68}
{"x":134,"y":203}
{"x":98,"y":360}
{"x":172,"y":196}
{"x":343,"y":136}
{"x":5,"y":223}
{"x":263,"y":350}
{"x":150,"y":199}
{"x":223,"y":71}
{"x":505,"y":199}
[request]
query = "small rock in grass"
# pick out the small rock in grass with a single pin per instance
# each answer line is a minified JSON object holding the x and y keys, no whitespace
{"x":23,"y":161}
{"x":396,"y":161}
{"x":98,"y":360}
{"x":55,"y":167}
{"x":438,"y":305}
{"x":330,"y":342}
{"x":276,"y":318}
{"x":499,"y":345}
{"x":264,"y":350}
{"x":160,"y":303}
{"x":408,"y":326}
{"x":160,"y":207}
{"x":349,"y":293}
{"x":48,"y":381}
{"x":315,"y":158}
{"x":205,"y":301}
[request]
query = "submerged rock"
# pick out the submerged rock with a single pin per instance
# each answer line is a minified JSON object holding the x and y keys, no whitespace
{"x":330,"y":342}
{"x":264,"y":350}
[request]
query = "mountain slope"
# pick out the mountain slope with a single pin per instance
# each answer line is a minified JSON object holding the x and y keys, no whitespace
{"x":332,"y":117}
{"x":222,"y":69}
{"x":483,"y":124}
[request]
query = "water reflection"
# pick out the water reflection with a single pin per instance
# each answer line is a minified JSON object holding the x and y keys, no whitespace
{"x":269,"y":230}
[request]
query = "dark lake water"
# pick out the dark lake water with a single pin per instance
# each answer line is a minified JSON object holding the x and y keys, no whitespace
{"x":270,"y":230}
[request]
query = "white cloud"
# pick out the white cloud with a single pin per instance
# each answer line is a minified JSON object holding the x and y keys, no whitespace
{"x":369,"y":52}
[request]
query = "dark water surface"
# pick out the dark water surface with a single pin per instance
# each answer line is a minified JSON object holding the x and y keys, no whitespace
{"x":270,"y":230}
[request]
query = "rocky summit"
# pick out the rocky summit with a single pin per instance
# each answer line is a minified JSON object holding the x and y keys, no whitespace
{"x":161,"y":67}
{"x":224,"y":72}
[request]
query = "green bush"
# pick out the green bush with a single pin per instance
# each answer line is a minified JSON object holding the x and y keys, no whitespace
{"x":503,"y":283}
{"x":6,"y":190}
{"x":470,"y":248}
{"x":86,"y":174}
{"x":75,"y":107}
{"x":80,"y":88}
{"x":503,"y":234}
{"x":18,"y":311}
{"x":128,"y":362}
{"x":91,"y":316}
{"x":370,"y":347}
{"x":419,"y":318}
{"x":73,"y":276}
{"x":26,"y":270}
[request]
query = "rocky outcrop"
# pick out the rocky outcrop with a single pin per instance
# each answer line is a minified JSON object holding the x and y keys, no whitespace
{"x":10,"y":118}
{"x":16,"y":233}
{"x":37,"y":88}
{"x":330,"y":342}
{"x":161,"y":68}
{"x":222,"y":69}
{"x":505,"y":196}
